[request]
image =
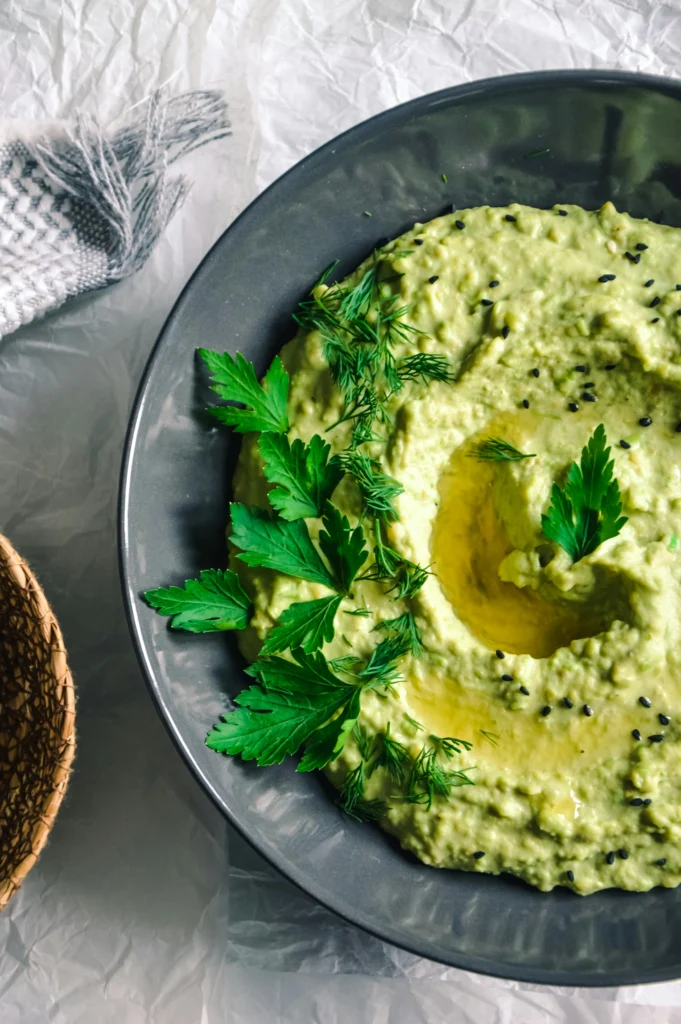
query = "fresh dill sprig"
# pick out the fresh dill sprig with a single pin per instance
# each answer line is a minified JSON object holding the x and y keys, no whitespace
{"x":365,"y":742}
{"x":381,"y":668}
{"x":450,"y":746}
{"x":359,"y":326}
{"x":376,"y":487}
{"x":406,"y":577}
{"x":393,"y":756}
{"x":425,"y":367}
{"x":416,"y":726}
{"x":352,"y":800}
{"x":362,"y":613}
{"x":404,"y":625}
{"x":428,"y":779}
{"x":491,"y":737}
{"x":495,"y":449}
{"x":344,"y":663}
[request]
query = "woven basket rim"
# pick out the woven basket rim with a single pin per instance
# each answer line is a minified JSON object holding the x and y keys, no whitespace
{"x":51,"y":798}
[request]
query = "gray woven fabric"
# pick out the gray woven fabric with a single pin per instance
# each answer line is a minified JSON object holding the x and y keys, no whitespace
{"x":81,"y":210}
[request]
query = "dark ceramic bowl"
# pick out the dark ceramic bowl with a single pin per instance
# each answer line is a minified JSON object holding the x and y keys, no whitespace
{"x":573,"y":137}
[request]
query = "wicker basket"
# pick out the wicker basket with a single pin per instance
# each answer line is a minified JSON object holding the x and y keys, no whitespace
{"x":37,"y":716}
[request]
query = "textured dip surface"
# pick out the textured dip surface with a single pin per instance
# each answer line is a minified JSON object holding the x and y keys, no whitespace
{"x":553,"y":322}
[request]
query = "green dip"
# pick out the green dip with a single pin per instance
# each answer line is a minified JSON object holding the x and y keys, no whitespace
{"x":561,"y":796}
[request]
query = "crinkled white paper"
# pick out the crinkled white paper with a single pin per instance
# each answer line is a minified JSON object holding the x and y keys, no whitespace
{"x":145,"y":908}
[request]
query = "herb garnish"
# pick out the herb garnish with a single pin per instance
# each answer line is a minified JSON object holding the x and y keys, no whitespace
{"x":495,"y":449}
{"x":306,"y":624}
{"x":376,"y":487}
{"x":215,"y":601}
{"x":587,"y":511}
{"x":306,"y":475}
{"x":235,"y":381}
{"x":298,"y":701}
{"x":392,"y":755}
{"x":352,"y":797}
{"x":404,"y":626}
{"x":429,"y":778}
{"x":286,"y":546}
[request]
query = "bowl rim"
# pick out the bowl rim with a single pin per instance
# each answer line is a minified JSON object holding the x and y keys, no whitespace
{"x":358,"y":132}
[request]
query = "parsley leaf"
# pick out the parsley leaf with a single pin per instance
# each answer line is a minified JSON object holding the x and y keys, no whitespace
{"x":306,"y":475}
{"x":343,"y":546}
{"x":215,"y":601}
{"x":277,"y":544}
{"x":293,"y":700}
{"x":587,"y":510}
{"x":307,"y":624}
{"x":326,"y":743}
{"x":235,"y":381}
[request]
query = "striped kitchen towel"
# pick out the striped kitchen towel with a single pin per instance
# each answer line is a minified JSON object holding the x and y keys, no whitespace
{"x":83,"y":208}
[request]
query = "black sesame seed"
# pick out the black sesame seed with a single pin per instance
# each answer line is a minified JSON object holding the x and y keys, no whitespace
{"x":624,"y":444}
{"x":589,"y":397}
{"x":510,"y":217}
{"x":587,"y":711}
{"x":636,"y":734}
{"x":567,"y":702}
{"x":610,"y":858}
{"x":664,"y":719}
{"x":486,"y":302}
{"x":459,"y":224}
{"x":535,"y":372}
{"x":655,"y":320}
{"x":590,"y":384}
{"x":493,"y":284}
{"x":500,"y":654}
{"x":479,"y":854}
{"x":570,"y":875}
{"x":505,"y":331}
{"x":507,"y":678}
{"x":546,"y":710}
{"x":657,"y":738}
{"x":661,"y":862}
{"x":636,"y":802}
{"x":655,"y":302}
{"x":433,"y":279}
{"x":645,"y":421}
{"x":677,"y":428}
{"x":562,"y":213}
{"x":678,"y":287}
{"x":641,"y":246}
{"x":678,"y":312}
{"x":581,"y":368}
{"x":418,"y":241}
{"x":647,"y":802}
{"x":573,"y":407}
{"x":606,"y":277}
{"x":649,"y":283}
{"x":622,"y":854}
{"x":523,"y":689}
{"x":632,"y":258}
{"x":610,"y":366}
{"x":526,"y":403}
{"x":645,"y":701}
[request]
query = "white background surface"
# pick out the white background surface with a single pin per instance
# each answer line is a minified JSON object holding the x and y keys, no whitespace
{"x":145,"y":908}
